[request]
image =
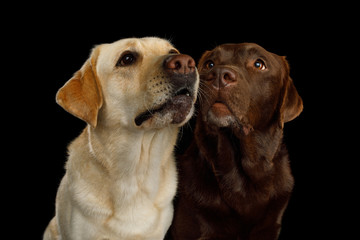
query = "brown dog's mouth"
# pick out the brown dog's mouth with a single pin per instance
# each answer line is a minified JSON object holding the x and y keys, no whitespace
{"x":178,"y":106}
{"x":220,"y":109}
{"x":221,"y":115}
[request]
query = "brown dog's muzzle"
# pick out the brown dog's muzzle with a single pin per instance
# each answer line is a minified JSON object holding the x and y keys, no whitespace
{"x":221,"y":77}
{"x":228,"y":98}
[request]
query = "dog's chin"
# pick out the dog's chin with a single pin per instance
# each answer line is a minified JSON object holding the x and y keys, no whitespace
{"x":220,"y":116}
{"x":176,"y":111}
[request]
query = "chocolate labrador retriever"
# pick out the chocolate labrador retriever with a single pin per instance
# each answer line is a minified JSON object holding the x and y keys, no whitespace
{"x":235,"y":178}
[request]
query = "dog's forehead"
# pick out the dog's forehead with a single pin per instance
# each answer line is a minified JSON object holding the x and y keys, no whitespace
{"x":108,"y":54}
{"x":241,"y":52}
{"x":148,"y":45}
{"x":155,"y":45}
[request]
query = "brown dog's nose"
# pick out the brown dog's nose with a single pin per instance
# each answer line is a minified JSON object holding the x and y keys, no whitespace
{"x":180,"y":63}
{"x":223,"y":77}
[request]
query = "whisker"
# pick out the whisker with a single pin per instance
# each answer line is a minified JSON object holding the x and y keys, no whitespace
{"x":146,"y":105}
{"x":203,"y":94}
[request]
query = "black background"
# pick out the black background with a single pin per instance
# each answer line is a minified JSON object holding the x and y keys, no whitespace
{"x":47,"y":46}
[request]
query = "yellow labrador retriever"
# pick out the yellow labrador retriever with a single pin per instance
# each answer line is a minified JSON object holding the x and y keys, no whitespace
{"x":120,"y":175}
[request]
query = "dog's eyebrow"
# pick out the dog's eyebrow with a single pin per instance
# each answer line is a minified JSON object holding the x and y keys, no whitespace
{"x":254,"y":51}
{"x":174,"y":51}
{"x":257,"y":53}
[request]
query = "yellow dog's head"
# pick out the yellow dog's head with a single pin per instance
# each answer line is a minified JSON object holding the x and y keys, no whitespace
{"x":137,"y":83}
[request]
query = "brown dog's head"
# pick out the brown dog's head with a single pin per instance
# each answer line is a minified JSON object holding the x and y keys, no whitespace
{"x":245,"y":87}
{"x":133,"y":83}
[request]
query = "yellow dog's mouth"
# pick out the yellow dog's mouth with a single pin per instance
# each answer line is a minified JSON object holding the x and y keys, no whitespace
{"x":175,"y":110}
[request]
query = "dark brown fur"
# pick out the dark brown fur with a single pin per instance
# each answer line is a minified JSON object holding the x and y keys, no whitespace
{"x":235,"y":178}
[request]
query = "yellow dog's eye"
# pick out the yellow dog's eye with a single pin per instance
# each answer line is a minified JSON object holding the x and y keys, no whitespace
{"x":126,"y":59}
{"x":259,"y":64}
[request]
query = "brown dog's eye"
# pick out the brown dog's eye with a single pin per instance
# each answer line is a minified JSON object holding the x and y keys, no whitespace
{"x":126,"y":59}
{"x":259,"y":64}
{"x":209,"y":64}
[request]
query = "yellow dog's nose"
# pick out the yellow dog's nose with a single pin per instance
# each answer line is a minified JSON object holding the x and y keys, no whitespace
{"x":180,"y":63}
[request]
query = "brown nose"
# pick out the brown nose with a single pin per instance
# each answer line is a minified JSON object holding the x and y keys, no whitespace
{"x":223,"y":77}
{"x":180,"y":63}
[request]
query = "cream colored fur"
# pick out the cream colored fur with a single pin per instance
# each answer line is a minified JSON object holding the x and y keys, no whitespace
{"x":120,"y":178}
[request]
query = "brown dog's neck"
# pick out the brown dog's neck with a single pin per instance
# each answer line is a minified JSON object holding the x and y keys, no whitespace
{"x":227,"y":149}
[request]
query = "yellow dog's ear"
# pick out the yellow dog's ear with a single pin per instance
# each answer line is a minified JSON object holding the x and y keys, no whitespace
{"x":292,"y":104}
{"x":82,"y":95}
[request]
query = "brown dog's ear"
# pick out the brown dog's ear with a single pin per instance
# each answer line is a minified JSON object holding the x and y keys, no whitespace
{"x":81,"y":95}
{"x":292,"y":104}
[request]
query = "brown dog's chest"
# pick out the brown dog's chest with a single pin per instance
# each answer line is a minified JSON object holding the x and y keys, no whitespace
{"x":214,"y":182}
{"x":229,"y":192}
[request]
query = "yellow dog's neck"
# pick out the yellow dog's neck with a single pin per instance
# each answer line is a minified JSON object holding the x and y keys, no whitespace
{"x":127,"y":152}
{"x":123,"y":173}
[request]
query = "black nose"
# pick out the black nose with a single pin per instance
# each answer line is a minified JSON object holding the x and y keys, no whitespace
{"x":180,"y":63}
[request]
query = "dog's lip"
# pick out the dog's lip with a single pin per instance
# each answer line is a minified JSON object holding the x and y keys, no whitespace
{"x":222,"y":111}
{"x":220,"y":108}
{"x":178,"y":98}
